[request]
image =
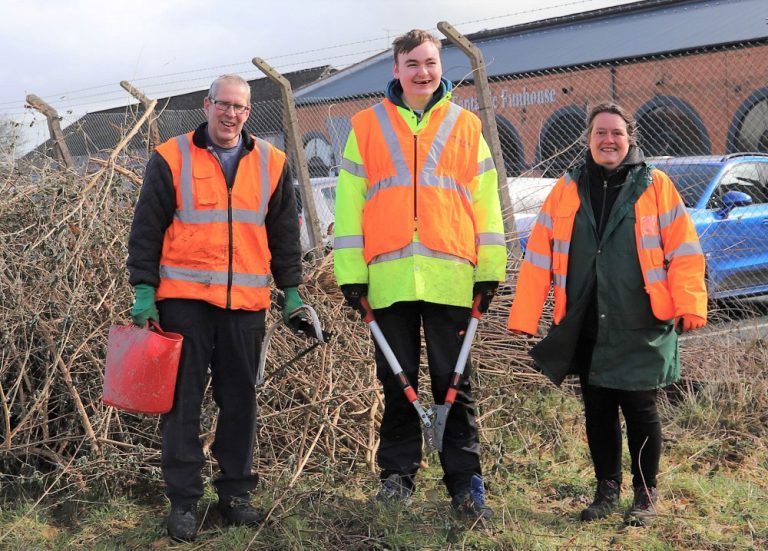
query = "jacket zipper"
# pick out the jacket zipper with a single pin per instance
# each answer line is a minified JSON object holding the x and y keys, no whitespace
{"x":602,"y":210}
{"x":229,"y":227}
{"x":415,"y":212}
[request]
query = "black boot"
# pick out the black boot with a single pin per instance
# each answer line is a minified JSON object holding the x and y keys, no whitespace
{"x":643,"y":506}
{"x":182,"y":522}
{"x":239,"y":512}
{"x":606,"y":500}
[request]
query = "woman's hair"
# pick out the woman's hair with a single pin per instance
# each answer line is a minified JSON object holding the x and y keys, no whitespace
{"x":610,"y":107}
{"x":412,"y":39}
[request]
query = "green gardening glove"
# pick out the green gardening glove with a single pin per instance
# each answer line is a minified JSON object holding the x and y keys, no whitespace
{"x":292,"y":302}
{"x":144,"y":308}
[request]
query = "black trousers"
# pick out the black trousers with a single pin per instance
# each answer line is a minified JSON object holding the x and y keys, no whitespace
{"x":601,"y":410}
{"x":227,"y":342}
{"x":401,"y":437}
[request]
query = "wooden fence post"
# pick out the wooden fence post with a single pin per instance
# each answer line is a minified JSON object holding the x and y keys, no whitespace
{"x":296,"y":150}
{"x":59,"y":145}
{"x":154,"y":134}
{"x":487,"y":115}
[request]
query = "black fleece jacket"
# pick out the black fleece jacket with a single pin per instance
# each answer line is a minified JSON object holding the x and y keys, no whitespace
{"x":157,"y":205}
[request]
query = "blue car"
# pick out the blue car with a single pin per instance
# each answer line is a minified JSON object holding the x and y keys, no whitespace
{"x":727,"y":198}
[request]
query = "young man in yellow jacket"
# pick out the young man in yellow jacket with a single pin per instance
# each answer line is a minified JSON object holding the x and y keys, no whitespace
{"x":419,"y":233}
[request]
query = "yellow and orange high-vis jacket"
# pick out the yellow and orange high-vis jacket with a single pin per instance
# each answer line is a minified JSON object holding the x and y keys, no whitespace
{"x":418,"y":196}
{"x":668,"y":249}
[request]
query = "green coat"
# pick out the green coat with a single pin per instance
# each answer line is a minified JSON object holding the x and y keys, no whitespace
{"x":634,"y":350}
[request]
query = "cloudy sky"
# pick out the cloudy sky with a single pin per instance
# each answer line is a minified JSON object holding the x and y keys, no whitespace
{"x":74,"y":53}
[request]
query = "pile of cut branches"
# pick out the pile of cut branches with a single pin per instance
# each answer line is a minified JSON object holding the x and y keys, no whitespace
{"x":63,"y":283}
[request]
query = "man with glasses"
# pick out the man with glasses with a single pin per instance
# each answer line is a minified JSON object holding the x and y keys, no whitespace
{"x":215,"y":222}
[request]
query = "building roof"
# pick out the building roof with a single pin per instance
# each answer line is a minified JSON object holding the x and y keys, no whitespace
{"x":262,"y":89}
{"x":102,"y":130}
{"x":622,"y":32}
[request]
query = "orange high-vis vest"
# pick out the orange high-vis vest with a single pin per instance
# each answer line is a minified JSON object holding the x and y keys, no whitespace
{"x":216,"y":248}
{"x":668,"y":249}
{"x":419,"y":181}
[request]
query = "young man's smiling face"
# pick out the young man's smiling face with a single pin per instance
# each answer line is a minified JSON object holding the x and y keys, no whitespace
{"x":419,"y":73}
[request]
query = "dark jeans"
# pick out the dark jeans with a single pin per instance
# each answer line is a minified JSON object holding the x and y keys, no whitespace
{"x":601,"y":409}
{"x":227,"y":341}
{"x":400,"y":447}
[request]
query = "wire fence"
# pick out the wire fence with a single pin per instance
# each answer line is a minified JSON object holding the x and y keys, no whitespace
{"x":695,"y":111}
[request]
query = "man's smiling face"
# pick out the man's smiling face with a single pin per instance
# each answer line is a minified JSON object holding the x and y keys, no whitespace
{"x":419,"y":72}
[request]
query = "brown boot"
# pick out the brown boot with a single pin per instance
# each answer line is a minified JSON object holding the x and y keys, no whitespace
{"x":606,"y":500}
{"x":643,"y":507}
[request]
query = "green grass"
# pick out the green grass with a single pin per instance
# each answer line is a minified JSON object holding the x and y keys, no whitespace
{"x":713,"y":487}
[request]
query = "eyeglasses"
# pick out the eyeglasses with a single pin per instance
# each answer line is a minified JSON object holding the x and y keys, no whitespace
{"x":225,"y":105}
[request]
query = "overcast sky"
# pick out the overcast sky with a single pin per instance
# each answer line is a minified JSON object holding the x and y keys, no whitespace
{"x":74,"y":53}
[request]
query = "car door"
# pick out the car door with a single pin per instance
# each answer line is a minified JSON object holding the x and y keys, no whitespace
{"x":737,"y":241}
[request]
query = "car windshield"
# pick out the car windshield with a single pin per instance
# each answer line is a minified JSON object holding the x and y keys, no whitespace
{"x":690,"y":179}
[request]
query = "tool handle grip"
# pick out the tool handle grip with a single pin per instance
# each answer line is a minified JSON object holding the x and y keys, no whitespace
{"x":368,"y":315}
{"x":476,"y":313}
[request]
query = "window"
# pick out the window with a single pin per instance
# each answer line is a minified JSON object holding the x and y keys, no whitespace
{"x":749,"y":178}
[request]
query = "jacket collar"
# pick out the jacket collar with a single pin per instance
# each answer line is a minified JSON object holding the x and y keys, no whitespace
{"x":200,"y":138}
{"x":635,"y":157}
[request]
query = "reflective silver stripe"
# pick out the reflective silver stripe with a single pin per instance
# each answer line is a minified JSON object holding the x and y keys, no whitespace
{"x":568,"y":179}
{"x":427,"y":177}
{"x":385,"y":183}
{"x":189,"y":215}
{"x":545,"y":220}
{"x":657,"y":274}
{"x":685,"y":249}
{"x":187,"y":203}
{"x":485,"y":165}
{"x":650,"y":242}
{"x":539,"y":260}
{"x":560,"y":246}
{"x":402,"y":175}
{"x":559,"y":280}
{"x":415,"y":249}
{"x":263,"y":146}
{"x":348,"y":242}
{"x":353,"y":168}
{"x":206,"y":277}
{"x":490,"y":239}
{"x":668,"y":217}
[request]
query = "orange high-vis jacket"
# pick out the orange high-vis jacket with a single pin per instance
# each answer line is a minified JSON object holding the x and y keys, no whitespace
{"x":423,"y":185}
{"x":668,"y":249}
{"x":216,"y":248}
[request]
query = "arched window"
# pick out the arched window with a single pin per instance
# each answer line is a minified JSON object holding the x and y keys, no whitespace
{"x":669,"y":126}
{"x":559,"y":142}
{"x":749,"y":129}
{"x":511,"y":148}
{"x":319,"y":154}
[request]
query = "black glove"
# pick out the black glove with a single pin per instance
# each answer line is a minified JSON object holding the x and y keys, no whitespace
{"x":486,"y":290}
{"x":300,"y":325}
{"x":353,"y":292}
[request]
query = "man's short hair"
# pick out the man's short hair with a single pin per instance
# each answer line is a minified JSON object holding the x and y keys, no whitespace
{"x":412,"y":39}
{"x":234,"y":79}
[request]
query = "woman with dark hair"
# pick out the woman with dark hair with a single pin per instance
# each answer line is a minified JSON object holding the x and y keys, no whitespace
{"x":615,"y":241}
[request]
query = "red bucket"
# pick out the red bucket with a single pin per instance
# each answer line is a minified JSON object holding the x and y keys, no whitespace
{"x":141,"y":368}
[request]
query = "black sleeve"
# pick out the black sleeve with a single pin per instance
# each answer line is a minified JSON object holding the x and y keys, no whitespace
{"x":151,"y":218}
{"x":282,"y":222}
